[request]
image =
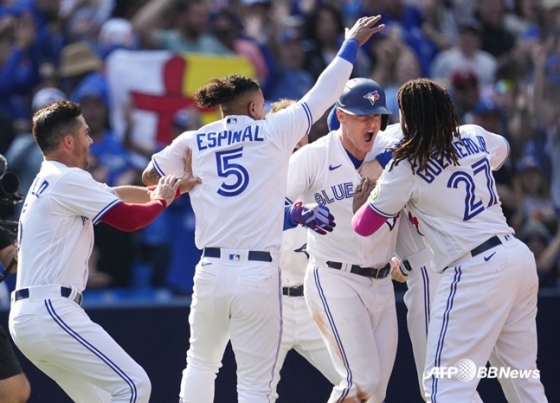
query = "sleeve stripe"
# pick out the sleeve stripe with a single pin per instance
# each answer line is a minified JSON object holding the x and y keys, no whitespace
{"x":309,"y":116}
{"x":507,"y":154}
{"x":158,"y":169}
{"x":288,"y":202}
{"x":381,"y":213}
{"x":107,"y":208}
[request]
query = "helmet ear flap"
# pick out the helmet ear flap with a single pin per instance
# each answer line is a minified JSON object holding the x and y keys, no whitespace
{"x":384,"y":122}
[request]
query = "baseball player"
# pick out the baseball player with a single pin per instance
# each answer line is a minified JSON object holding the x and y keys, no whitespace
{"x":411,"y":248}
{"x":242,"y":160}
{"x":486,"y":297}
{"x":299,"y":332}
{"x":348,"y":288}
{"x":55,"y":240}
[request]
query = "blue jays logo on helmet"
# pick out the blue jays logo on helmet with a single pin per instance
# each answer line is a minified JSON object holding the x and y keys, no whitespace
{"x":363,"y":96}
{"x":372,"y":96}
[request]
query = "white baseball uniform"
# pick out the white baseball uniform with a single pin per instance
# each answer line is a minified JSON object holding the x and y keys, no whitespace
{"x":299,"y":330}
{"x":423,"y":279}
{"x":238,"y":207}
{"x":46,"y":320}
{"x":486,"y":298}
{"x":355,"y":314}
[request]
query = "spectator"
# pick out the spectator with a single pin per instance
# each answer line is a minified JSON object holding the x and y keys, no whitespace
{"x":85,"y":18}
{"x":535,"y":203}
{"x":384,"y":49}
{"x":109,"y":163}
{"x":324,"y":33}
{"x":551,"y":26}
{"x":263,"y":20}
{"x":466,"y":55}
{"x":525,"y":19}
{"x":496,"y":39}
{"x":165,"y":255}
{"x":407,"y":67}
{"x":228,"y":29}
{"x":116,"y":33}
{"x":19,"y":63}
{"x":465,"y":93}
{"x":489,"y":115}
{"x":546,"y":98}
{"x":24,"y":155}
{"x":188,"y":33}
{"x":291,"y":81}
{"x":439,"y":25}
{"x":78,"y":61}
{"x":546,"y":250}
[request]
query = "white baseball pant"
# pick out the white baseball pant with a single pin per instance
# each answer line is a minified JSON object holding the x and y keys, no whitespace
{"x":300,"y":333}
{"x":485,"y":305}
{"x":56,"y":335}
{"x":422,"y":284}
{"x":357,"y":319}
{"x":238,"y":300}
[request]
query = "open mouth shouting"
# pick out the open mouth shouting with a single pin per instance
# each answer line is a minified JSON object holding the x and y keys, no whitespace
{"x":368,"y":137}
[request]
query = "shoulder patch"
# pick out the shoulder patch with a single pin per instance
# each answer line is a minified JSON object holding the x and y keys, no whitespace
{"x":374,"y":193}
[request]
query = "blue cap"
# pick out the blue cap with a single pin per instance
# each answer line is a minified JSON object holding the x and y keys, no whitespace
{"x":94,"y":86}
{"x":528,"y":161}
{"x":362,"y":96}
{"x":487,"y":105}
{"x":552,"y":69}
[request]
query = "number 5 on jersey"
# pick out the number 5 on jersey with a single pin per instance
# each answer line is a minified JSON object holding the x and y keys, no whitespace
{"x":227,"y":168}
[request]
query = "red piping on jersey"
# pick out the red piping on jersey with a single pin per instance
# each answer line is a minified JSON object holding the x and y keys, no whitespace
{"x":130,"y":217}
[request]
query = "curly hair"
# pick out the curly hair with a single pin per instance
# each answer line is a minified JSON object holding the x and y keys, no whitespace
{"x":221,"y":91}
{"x":53,"y":122}
{"x":429,"y":124}
{"x":282,"y":103}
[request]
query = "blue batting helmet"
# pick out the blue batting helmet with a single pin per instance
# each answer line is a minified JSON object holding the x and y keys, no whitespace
{"x":363,"y":96}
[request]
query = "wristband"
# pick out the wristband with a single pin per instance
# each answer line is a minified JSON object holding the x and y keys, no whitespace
{"x":349,"y":50}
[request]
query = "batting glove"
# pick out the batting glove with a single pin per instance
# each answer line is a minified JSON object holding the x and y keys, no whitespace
{"x":315,"y":217}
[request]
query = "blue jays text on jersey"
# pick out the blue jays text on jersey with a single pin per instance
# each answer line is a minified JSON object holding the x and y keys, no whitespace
{"x":227,"y":137}
{"x":464,"y":148}
{"x":338,"y":192}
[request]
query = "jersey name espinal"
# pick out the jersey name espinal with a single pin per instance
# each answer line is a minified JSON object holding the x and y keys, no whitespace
{"x":464,"y":148}
{"x":227,"y":137}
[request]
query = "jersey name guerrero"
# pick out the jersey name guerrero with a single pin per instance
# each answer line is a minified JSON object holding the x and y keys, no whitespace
{"x":464,"y":147}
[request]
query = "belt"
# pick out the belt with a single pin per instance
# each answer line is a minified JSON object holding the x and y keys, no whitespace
{"x":364,"y":271}
{"x":293,"y":291}
{"x":483,"y":247}
{"x":253,"y":255}
{"x":64,"y":292}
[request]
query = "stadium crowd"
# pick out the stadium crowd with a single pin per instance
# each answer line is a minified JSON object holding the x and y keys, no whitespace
{"x":500,"y":60}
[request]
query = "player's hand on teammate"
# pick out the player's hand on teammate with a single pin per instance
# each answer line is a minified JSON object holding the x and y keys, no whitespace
{"x":166,"y":189}
{"x":371,"y":170}
{"x":396,"y":273}
{"x":316,"y":217}
{"x":188,"y":180}
{"x":362,"y":192}
{"x":364,"y":28}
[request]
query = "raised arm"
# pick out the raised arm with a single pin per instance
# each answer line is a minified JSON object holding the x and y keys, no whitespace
{"x":148,"y":20}
{"x":331,"y":82}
